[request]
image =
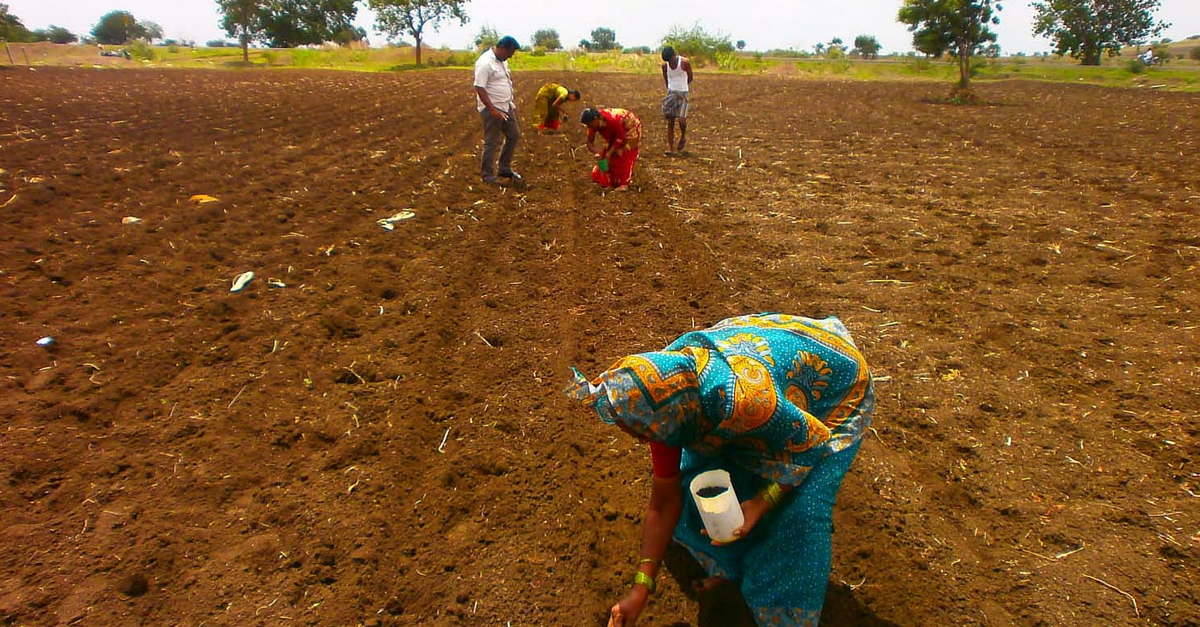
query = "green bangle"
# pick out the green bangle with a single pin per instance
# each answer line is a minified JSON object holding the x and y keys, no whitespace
{"x":771,"y":493}
{"x":645,"y":580}
{"x":648,"y":560}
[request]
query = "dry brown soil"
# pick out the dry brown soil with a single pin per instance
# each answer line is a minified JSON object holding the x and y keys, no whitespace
{"x":383,"y":441}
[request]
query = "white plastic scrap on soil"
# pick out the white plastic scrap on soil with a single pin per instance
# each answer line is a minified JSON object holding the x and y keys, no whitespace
{"x":390,"y":223}
{"x":241,"y":281}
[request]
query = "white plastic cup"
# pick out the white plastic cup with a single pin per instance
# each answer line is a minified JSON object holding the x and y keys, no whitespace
{"x":718,"y":504}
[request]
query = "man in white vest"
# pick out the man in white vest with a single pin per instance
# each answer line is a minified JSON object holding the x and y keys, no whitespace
{"x":677,"y":74}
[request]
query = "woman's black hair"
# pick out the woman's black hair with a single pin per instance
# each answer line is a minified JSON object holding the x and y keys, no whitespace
{"x":588,"y":115}
{"x":575,"y":92}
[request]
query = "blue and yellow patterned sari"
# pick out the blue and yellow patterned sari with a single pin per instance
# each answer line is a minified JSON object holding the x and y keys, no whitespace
{"x":767,"y":397}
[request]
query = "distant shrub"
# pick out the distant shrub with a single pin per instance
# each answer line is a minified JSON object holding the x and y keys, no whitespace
{"x":308,"y":58}
{"x":1136,"y":65}
{"x":697,"y":43}
{"x":141,"y":50}
{"x":270,"y":56}
{"x":1194,"y":53}
{"x":728,"y":61}
{"x":788,"y":53}
{"x":459,"y":59}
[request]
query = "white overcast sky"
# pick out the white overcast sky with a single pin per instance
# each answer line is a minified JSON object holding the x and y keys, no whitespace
{"x":763,"y":24}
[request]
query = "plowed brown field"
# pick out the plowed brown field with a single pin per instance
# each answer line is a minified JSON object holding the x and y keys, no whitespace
{"x":383,"y":441}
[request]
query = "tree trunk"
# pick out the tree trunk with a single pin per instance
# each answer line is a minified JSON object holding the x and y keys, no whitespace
{"x":964,"y":66}
{"x":245,"y":49}
{"x":417,"y":38}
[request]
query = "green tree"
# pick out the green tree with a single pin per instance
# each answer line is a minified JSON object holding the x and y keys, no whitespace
{"x":486,"y":38}
{"x":960,"y":27}
{"x":55,"y":35}
{"x":603,"y":39}
{"x":412,"y":17}
{"x":117,"y":28}
{"x":697,"y":43}
{"x":1086,"y":29}
{"x":242,"y":19}
{"x":819,"y":48}
{"x":151,"y":31}
{"x":290,"y":23}
{"x":349,"y":35}
{"x":867,"y":46}
{"x":741,"y":44}
{"x":11,"y":28}
{"x":547,"y":38}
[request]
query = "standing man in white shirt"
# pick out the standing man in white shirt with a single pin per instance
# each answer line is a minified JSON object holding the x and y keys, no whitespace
{"x":497,"y":110}
{"x":677,"y":74}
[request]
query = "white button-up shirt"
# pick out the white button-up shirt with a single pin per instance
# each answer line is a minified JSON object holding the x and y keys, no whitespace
{"x":492,"y":75}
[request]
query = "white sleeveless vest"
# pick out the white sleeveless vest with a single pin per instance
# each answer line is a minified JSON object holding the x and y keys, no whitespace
{"x":677,"y":77}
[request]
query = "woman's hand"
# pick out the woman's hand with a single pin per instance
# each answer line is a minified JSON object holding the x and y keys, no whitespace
{"x":753,"y":511}
{"x":626,"y":612}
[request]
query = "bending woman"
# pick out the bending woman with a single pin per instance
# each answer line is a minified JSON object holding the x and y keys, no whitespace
{"x":622,"y":130}
{"x":781,"y":403}
{"x":547,"y":106}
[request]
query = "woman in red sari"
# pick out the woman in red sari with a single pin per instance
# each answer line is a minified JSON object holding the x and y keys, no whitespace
{"x":623,"y":132}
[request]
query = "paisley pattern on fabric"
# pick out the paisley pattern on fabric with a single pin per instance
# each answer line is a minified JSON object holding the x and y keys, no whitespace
{"x":809,"y":376}
{"x":747,"y":344}
{"x":754,"y":396}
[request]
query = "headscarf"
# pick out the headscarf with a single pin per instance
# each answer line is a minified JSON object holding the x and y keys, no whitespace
{"x":656,"y":395}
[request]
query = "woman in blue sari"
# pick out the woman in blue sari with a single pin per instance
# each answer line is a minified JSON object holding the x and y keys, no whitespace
{"x":781,"y":403}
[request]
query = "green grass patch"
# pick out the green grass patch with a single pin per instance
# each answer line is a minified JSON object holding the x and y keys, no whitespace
{"x":1178,"y":74}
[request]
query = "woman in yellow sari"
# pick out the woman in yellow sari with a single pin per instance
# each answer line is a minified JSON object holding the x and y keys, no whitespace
{"x":547,"y":106}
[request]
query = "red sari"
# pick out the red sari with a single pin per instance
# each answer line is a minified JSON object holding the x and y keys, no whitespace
{"x":623,"y":131}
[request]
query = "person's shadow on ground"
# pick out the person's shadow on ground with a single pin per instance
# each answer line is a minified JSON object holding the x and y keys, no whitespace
{"x":724,"y":606}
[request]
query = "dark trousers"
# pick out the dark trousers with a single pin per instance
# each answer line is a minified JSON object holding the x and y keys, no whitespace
{"x":493,"y":130}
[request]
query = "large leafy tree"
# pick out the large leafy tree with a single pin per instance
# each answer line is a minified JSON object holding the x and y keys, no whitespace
{"x":151,"y":31}
{"x":291,"y":23}
{"x":117,"y":28}
{"x":11,"y":28}
{"x":547,"y":38}
{"x":242,"y":19}
{"x":55,"y":35}
{"x":960,"y":27}
{"x":1086,"y":29}
{"x":867,"y":46}
{"x":412,"y":17}
{"x":603,"y":39}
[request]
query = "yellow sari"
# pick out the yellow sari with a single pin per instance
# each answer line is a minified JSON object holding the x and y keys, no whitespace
{"x":542,"y":111}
